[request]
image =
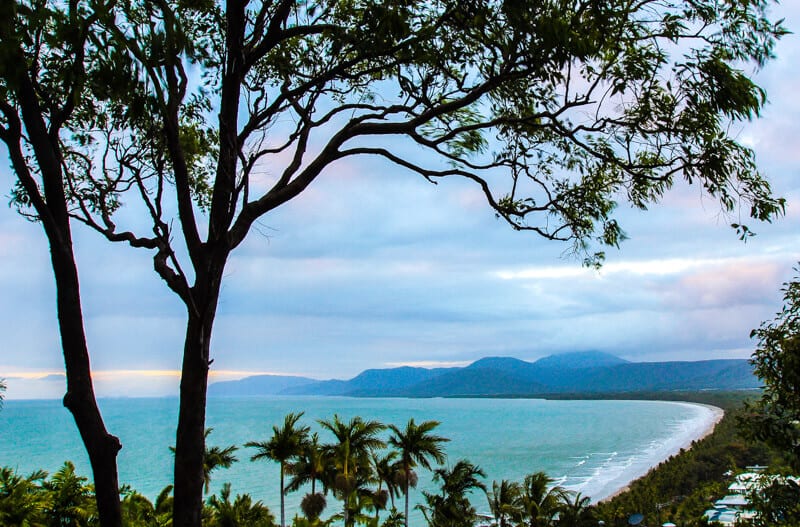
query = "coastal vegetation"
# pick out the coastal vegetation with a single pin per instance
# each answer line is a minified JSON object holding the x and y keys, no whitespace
{"x":680,"y":489}
{"x":367,"y":465}
{"x":364,"y":468}
{"x":775,"y":416}
{"x":173,"y":108}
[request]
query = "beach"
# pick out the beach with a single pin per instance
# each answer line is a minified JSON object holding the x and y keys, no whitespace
{"x":694,"y":430}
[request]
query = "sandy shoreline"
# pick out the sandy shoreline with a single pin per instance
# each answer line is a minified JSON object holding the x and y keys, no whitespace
{"x":714,"y":417}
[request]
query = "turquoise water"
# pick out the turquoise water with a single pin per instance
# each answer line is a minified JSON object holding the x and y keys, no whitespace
{"x":594,"y":447}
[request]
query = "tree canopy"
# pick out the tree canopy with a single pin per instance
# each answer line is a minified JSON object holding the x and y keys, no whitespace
{"x":556,"y":109}
{"x":775,"y":418}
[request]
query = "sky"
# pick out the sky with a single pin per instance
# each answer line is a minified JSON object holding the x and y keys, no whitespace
{"x":373,"y":267}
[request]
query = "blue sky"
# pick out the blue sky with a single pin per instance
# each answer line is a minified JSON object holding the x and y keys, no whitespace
{"x":372,"y":267}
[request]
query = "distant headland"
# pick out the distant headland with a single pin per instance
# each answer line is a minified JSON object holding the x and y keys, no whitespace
{"x":587,"y":372}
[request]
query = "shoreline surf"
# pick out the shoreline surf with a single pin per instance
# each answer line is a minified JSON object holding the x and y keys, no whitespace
{"x":695,"y":430}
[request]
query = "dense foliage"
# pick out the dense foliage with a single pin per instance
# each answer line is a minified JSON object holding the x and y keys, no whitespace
{"x":775,"y":417}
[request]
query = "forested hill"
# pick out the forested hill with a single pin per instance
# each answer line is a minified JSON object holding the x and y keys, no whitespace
{"x":580,"y":372}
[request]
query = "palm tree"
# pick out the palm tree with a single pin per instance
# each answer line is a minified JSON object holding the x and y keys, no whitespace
{"x":504,"y":501}
{"x":394,"y":519}
{"x":22,"y":500}
{"x":214,"y":458}
{"x":576,"y":512}
{"x":417,"y":446}
{"x":309,"y":467}
{"x":286,"y":443}
{"x":541,"y":500}
{"x":355,"y":440}
{"x":2,"y":391}
{"x":312,"y":505}
{"x":387,"y":471}
{"x":138,"y":511}
{"x":71,"y":498}
{"x":241,"y":512}
{"x":452,"y":508}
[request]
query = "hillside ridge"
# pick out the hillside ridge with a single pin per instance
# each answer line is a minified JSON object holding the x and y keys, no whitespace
{"x":588,"y":372}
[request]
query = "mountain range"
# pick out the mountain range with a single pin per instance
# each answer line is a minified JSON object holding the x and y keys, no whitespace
{"x":573,"y":373}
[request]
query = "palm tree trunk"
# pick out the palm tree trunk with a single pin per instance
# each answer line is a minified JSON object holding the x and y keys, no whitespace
{"x":405,"y":484}
{"x":283,"y":510}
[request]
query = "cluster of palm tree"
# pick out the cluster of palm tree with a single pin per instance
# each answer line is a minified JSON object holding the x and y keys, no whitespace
{"x":355,"y":468}
{"x":65,"y":499}
{"x":366,"y":466}
{"x":537,"y":502}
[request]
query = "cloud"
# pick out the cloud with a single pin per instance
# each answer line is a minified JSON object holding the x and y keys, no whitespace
{"x":430,"y":364}
{"x":373,"y":266}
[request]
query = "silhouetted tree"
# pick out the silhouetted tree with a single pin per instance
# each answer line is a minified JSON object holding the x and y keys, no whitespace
{"x":452,"y":508}
{"x":417,"y":446}
{"x":504,"y":502}
{"x":286,"y":443}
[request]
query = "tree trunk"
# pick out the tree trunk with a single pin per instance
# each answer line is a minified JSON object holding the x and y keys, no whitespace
{"x":283,"y":513}
{"x":405,"y":484}
{"x":50,"y":203}
{"x":190,"y":440}
{"x":101,"y":446}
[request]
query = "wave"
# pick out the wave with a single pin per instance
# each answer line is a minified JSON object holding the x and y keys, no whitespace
{"x":612,"y":472}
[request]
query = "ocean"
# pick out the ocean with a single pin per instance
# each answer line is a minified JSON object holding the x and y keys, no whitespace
{"x":592,"y":447}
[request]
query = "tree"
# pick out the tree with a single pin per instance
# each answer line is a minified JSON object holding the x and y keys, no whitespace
{"x":217,"y":457}
{"x":137,"y":510}
{"x":554,"y":110}
{"x":46,"y":52}
{"x":504,"y":502}
{"x":776,"y":502}
{"x":541,"y":500}
{"x":286,"y":443}
{"x":417,"y":446}
{"x":3,"y":388}
{"x":309,"y":467}
{"x":213,"y":458}
{"x":356,"y":440}
{"x":241,"y":512}
{"x":575,"y":511}
{"x":70,"y":502}
{"x":22,"y":500}
{"x":452,"y":508}
{"x":775,"y":418}
{"x":387,"y":470}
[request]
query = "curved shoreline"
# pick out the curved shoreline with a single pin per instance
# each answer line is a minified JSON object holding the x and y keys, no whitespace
{"x":705,"y":427}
